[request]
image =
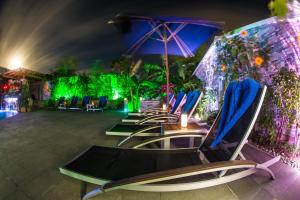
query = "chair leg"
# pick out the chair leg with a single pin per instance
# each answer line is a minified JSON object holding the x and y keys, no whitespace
{"x":83,"y":189}
{"x":92,"y":193}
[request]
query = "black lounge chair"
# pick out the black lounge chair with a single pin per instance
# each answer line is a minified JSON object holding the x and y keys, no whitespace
{"x":61,"y":103}
{"x":180,"y":100}
{"x":216,"y":161}
{"x":151,"y":126}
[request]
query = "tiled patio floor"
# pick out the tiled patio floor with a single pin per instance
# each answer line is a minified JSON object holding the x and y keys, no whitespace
{"x":34,"y":145}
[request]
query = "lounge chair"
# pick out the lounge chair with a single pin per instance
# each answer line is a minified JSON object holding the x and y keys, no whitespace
{"x":101,"y":104}
{"x":180,"y":100}
{"x":85,"y":101}
{"x":216,"y":161}
{"x":61,"y":103}
{"x":151,"y":111}
{"x":146,"y":127}
{"x":73,"y":104}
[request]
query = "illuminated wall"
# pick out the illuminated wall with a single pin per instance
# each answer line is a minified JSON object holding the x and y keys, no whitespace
{"x":269,"y":46}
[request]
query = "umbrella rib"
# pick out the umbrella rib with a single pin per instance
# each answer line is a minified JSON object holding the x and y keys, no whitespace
{"x":187,"y":49}
{"x":184,"y":51}
{"x":157,"y":31}
{"x":179,"y":28}
{"x":180,"y":41}
{"x":185,"y":46}
{"x":141,"y":41}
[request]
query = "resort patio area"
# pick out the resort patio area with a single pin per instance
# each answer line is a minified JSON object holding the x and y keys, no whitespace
{"x":34,"y":145}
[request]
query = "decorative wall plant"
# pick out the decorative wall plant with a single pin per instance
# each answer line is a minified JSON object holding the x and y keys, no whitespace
{"x":286,"y":98}
{"x":267,"y":51}
{"x":203,"y":109}
{"x":240,"y":56}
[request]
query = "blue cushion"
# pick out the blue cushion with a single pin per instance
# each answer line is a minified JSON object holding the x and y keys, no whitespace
{"x":179,"y":97}
{"x":238,"y":98}
{"x":102,"y":101}
{"x":192,"y":98}
{"x":85,"y":100}
{"x":74,"y":101}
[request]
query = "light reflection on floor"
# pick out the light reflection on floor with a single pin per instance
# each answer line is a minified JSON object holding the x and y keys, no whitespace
{"x":7,"y":113}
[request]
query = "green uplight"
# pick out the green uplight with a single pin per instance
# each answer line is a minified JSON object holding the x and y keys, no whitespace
{"x":116,"y":95}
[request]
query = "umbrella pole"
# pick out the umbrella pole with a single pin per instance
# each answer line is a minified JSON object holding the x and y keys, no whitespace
{"x":167,"y":68}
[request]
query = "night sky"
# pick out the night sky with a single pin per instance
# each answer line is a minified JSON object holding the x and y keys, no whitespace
{"x":42,"y":32}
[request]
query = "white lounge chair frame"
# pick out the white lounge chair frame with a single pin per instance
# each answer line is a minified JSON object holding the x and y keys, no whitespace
{"x":156,"y":119}
{"x":146,"y":182}
{"x":151,"y":111}
{"x":151,"y":115}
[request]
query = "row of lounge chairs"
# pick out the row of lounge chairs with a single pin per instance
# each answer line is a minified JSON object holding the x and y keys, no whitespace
{"x":217,"y":160}
{"x":85,"y":104}
{"x":150,"y":125}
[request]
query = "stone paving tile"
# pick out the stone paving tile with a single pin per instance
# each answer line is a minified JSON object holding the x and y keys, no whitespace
{"x":16,"y":173}
{"x":245,"y":188}
{"x":136,"y":195}
{"x":34,"y":145}
{"x":7,"y":186}
{"x":115,"y":195}
{"x":212,"y":193}
{"x":17,"y":195}
{"x":287,"y":180}
{"x":41,"y":186}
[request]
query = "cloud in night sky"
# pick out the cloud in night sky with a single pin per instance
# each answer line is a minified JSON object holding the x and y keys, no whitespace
{"x":42,"y":32}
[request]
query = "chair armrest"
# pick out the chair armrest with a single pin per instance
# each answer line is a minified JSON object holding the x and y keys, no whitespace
{"x":179,"y":173}
{"x":149,"y":119}
{"x":136,"y":133}
{"x":169,"y":136}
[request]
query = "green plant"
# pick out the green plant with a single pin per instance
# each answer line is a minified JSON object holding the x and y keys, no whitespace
{"x":278,"y":7}
{"x":286,"y":98}
{"x":266,"y":128}
{"x":290,"y":148}
{"x":49,"y":103}
{"x":239,"y":56}
{"x":183,"y":68}
{"x":150,"y":81}
{"x":203,"y":110}
{"x":185,"y":79}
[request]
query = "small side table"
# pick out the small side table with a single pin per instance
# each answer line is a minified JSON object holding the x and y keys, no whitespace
{"x":89,"y":107}
{"x":172,"y":128}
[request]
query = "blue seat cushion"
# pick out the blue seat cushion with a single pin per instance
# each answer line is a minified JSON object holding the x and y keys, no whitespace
{"x":238,"y":98}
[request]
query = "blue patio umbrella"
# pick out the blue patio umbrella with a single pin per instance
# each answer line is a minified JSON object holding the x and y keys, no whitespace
{"x":164,"y":35}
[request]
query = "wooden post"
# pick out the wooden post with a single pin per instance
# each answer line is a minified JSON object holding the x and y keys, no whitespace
{"x":167,"y":67}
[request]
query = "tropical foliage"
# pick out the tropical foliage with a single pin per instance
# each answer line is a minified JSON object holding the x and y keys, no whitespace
{"x":114,"y":86}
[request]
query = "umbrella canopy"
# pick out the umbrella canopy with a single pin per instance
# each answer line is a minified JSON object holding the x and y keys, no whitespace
{"x":164,"y":35}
